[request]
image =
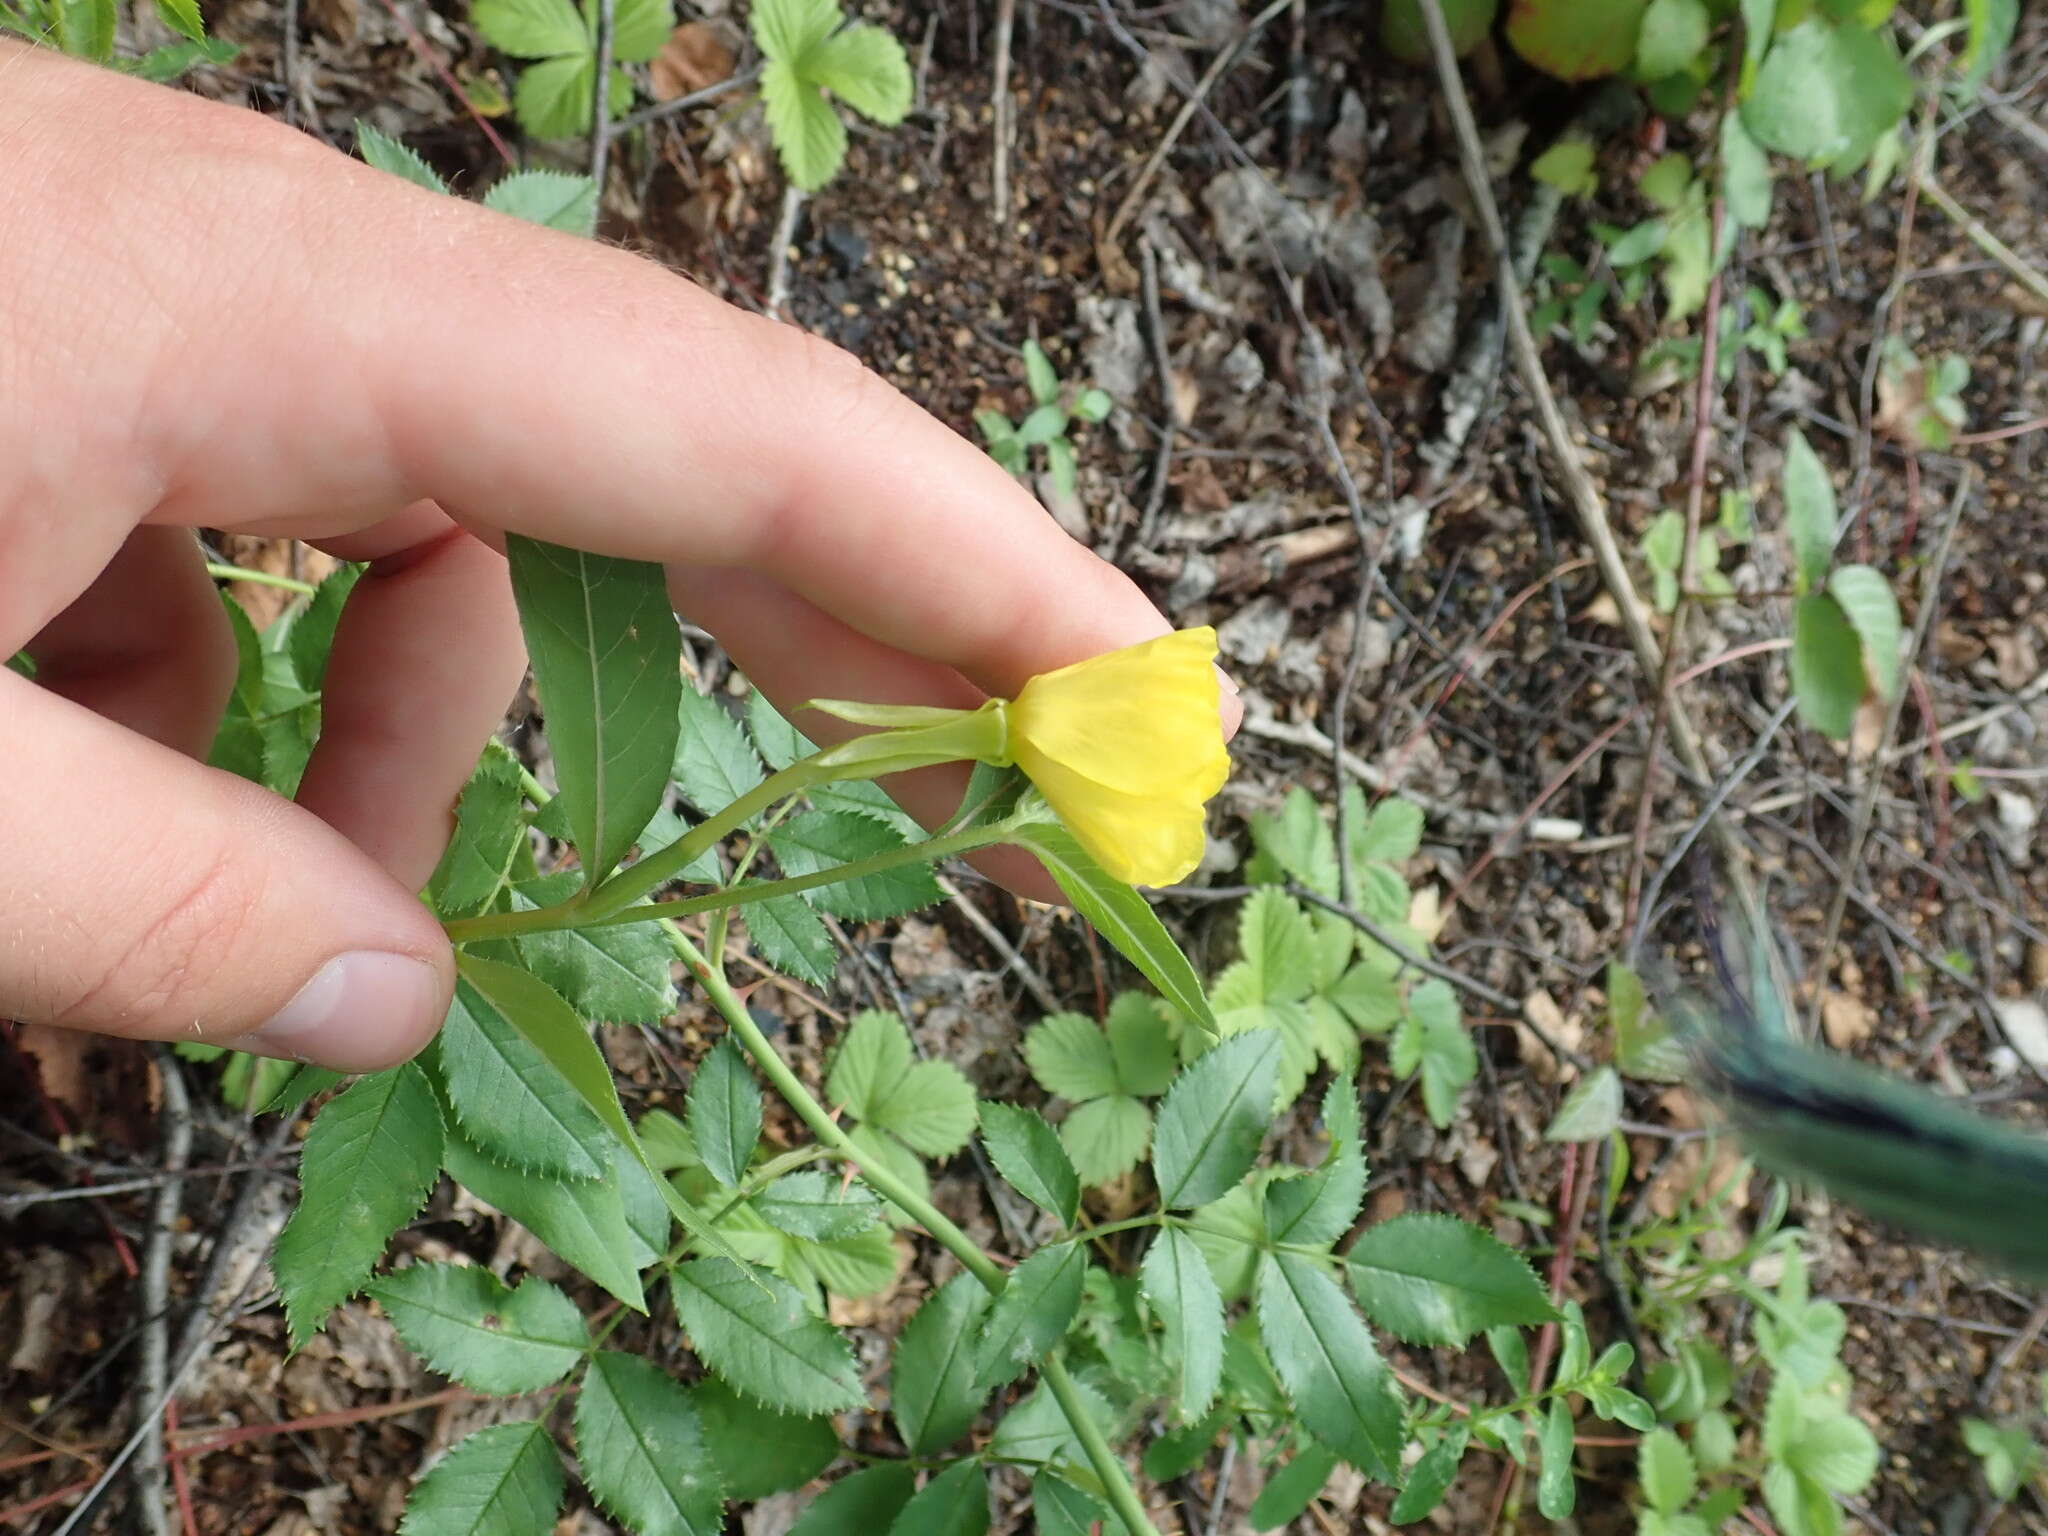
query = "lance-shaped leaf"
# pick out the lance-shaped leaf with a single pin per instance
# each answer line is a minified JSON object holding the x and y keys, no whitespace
{"x":1340,"y":1387}
{"x":501,"y":1481}
{"x":642,"y":1450}
{"x":1433,"y":1279}
{"x":1213,"y":1118}
{"x":1033,"y":1312}
{"x":1182,"y":1294}
{"x":932,"y":1391}
{"x":607,"y":660}
{"x":725,"y":1113}
{"x":753,"y":1328}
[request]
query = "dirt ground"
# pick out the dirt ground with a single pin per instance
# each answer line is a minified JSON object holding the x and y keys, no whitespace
{"x":1311,"y":262}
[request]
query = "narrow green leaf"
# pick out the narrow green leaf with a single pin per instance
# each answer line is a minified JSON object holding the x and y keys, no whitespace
{"x":607,"y":660}
{"x":551,"y":198}
{"x":955,"y":1503}
{"x":1827,"y":666}
{"x":305,"y":1083}
{"x":1433,"y":1279}
{"x":368,"y":1164}
{"x":1315,"y":1209}
{"x":1213,"y":1119}
{"x":725,"y":1113}
{"x":1288,"y":1492}
{"x":502,"y":1481}
{"x":932,"y":1393}
{"x":1745,"y":175}
{"x":465,"y":1323}
{"x":1033,"y":1312}
{"x":866,"y":1501}
{"x":817,"y":1205}
{"x":1123,"y":917}
{"x":1027,"y":1152}
{"x":1039,"y":375}
{"x":1339,"y":1385}
{"x":759,"y":1450}
{"x":1592,"y":1109}
{"x":641,"y":1449}
{"x":1810,"y":514}
{"x":510,"y":1098}
{"x":581,"y":1220}
{"x":1556,"y":1491}
{"x":753,"y":1329}
{"x":1873,"y":612}
{"x":1431,"y":1476}
{"x":1177,"y":1285}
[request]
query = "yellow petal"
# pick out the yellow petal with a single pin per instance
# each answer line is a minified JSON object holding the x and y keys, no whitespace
{"x":1138,"y":839}
{"x":1144,"y":720}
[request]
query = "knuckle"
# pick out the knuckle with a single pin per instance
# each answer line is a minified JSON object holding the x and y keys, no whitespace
{"x":192,"y":924}
{"x":846,"y":397}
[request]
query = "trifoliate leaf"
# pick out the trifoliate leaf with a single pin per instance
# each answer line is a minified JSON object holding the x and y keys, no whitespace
{"x":1070,"y":1056}
{"x":1106,"y":1137}
{"x":865,"y":67}
{"x":805,"y":126}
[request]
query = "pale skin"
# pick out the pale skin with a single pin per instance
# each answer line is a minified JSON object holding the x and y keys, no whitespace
{"x":214,"y":321}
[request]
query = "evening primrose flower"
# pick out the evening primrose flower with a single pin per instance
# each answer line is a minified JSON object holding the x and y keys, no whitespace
{"x":1126,"y":748}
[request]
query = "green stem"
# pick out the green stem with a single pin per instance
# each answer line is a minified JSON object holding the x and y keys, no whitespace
{"x":1115,"y":1479}
{"x":587,"y":914}
{"x":259,"y":578}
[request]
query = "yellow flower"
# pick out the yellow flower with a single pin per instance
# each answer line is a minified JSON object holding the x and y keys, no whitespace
{"x":1127,"y":748}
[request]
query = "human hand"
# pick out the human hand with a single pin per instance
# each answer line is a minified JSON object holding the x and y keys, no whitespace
{"x":215,"y":321}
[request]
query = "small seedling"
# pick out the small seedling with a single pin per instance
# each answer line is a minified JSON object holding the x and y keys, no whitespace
{"x":1055,"y":408}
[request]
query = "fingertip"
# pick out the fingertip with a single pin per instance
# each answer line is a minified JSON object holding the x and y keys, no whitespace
{"x":360,"y":1012}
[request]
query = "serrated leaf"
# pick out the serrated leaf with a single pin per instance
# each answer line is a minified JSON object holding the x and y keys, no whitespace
{"x":583,"y":1220}
{"x":1296,"y":843}
{"x":792,"y":938}
{"x":1577,"y":39}
{"x":1873,"y":612}
{"x":1143,"y":1040}
{"x":805,"y":126}
{"x":464,"y":1322}
{"x":606,"y":664}
{"x":753,"y":1329}
{"x":955,"y":1503}
{"x":932,"y":1391}
{"x":1431,"y":1476}
{"x":822,"y":840}
{"x":724,"y":1112}
{"x":714,"y":762}
{"x":368,"y":1164}
{"x":1278,"y":944}
{"x":1368,"y":998}
{"x":183,"y":16}
{"x":928,"y":1105}
{"x":1324,"y":1355}
{"x":1592,"y":1109}
{"x":488,"y":833}
{"x":1182,"y":1294}
{"x":1391,"y":834}
{"x":817,"y":1205}
{"x":551,"y":198}
{"x":1213,"y":1118}
{"x":639,"y":28}
{"x":1070,"y":1056}
{"x":531,"y":29}
{"x":1432,"y":1041}
{"x":1106,"y":1137}
{"x":387,"y":154}
{"x":1827,"y":666}
{"x":1665,"y":1468}
{"x":865,"y":67}
{"x":1314,"y":1209}
{"x":1122,"y":917}
{"x":1289,"y":1491}
{"x":1809,"y":511}
{"x":1027,"y":1152}
{"x":1432,"y":1279}
{"x":867,"y":1500}
{"x":1556,"y":1491}
{"x":1033,"y":1312}
{"x":304,"y":1083}
{"x":617,"y":975}
{"x":502,"y":1481}
{"x":759,"y":1450}
{"x":510,"y":1099}
{"x":1745,"y":175}
{"x":1061,"y":1509}
{"x":1037,"y":1432}
{"x":641,"y":1449}
{"x":789,"y":29}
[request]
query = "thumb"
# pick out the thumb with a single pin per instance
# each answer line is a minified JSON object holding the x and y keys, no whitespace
{"x":146,"y":895}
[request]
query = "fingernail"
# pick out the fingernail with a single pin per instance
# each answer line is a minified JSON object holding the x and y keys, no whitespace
{"x":1224,"y":679}
{"x":361,"y":1011}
